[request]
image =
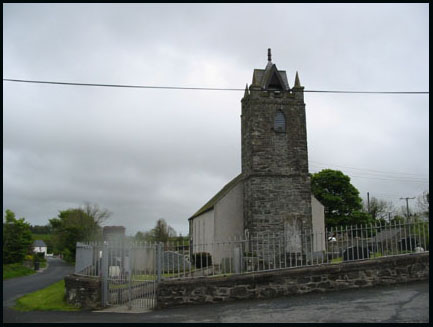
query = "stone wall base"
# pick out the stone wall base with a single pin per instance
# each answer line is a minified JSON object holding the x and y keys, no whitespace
{"x":323,"y":278}
{"x":83,"y":291}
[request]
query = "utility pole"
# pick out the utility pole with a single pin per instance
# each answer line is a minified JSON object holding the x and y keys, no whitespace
{"x":407,"y":204}
{"x":368,"y":202}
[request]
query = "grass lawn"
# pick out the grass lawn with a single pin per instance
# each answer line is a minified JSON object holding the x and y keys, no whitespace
{"x":51,"y":298}
{"x":13,"y":270}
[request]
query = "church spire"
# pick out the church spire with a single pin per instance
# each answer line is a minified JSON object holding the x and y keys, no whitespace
{"x":297,"y":82}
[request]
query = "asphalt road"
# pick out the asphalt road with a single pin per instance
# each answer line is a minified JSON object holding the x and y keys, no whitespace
{"x":391,"y":304}
{"x":17,"y":287}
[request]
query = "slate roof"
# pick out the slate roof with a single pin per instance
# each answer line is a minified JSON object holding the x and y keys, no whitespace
{"x":39,"y":243}
{"x":211,"y":203}
{"x":260,"y":76}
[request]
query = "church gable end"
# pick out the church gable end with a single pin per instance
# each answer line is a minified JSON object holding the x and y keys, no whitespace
{"x":273,"y":80}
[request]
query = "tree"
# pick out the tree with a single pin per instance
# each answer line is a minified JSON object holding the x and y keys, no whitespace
{"x":398,"y":219}
{"x":423,"y":202}
{"x":343,"y":205}
{"x":143,"y":236}
{"x":378,"y":209}
{"x":17,"y":238}
{"x":38,"y":229}
{"x":162,"y":232}
{"x":75,"y":225}
{"x":98,"y":215}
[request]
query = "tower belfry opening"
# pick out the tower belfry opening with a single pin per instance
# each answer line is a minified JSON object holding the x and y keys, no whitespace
{"x":275,"y":83}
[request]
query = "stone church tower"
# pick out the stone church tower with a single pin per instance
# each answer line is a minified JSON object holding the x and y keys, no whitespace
{"x":276,"y":193}
{"x":270,"y":202}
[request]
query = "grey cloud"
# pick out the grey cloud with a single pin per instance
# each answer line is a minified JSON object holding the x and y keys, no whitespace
{"x":146,"y":154}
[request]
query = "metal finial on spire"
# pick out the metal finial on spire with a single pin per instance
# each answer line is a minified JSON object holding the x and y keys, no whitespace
{"x":269,"y":55}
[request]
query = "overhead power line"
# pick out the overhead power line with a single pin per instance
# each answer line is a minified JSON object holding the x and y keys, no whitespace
{"x":375,"y":174}
{"x":366,"y":169}
{"x":392,"y":179}
{"x":389,"y":178}
{"x":198,"y":88}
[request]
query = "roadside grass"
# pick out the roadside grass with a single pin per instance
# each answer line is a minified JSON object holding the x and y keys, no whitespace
{"x":337,"y":260}
{"x":13,"y":270}
{"x":375,"y":255}
{"x":51,"y":298}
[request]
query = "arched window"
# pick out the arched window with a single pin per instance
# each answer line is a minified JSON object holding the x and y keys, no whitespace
{"x":280,"y":122}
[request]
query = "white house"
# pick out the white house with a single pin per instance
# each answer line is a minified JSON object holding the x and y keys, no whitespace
{"x":39,"y":246}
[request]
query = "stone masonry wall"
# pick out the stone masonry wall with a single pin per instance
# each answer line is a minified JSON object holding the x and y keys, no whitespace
{"x":83,"y":292}
{"x":324,"y":278}
{"x":265,"y":151}
{"x":277,"y":191}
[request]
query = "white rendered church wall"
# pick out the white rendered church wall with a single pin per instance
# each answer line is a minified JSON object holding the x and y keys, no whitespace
{"x":203,"y":232}
{"x":318,"y":213}
{"x":228,"y":223}
{"x":229,"y":214}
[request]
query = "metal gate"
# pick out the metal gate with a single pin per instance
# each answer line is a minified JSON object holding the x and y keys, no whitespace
{"x":129,"y":274}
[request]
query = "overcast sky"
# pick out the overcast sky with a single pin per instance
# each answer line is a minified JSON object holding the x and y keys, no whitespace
{"x":144,"y":154}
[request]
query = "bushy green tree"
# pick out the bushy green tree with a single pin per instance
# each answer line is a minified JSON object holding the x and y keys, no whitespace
{"x":17,"y":238}
{"x":397,"y":219}
{"x":75,"y":225}
{"x":343,"y":205}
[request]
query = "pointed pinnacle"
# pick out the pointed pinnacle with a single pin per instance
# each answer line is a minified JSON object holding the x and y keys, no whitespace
{"x":246,"y":91}
{"x":297,"y":82}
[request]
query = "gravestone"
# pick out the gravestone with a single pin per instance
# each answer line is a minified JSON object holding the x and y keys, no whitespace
{"x":356,"y":253}
{"x":175,"y":262}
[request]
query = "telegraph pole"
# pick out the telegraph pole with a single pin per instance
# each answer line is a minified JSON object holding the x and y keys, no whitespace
{"x":368,"y":202}
{"x":407,"y":204}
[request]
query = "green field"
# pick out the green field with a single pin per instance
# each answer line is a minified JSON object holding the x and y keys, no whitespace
{"x":13,"y":270}
{"x":51,"y":298}
{"x":43,"y":237}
